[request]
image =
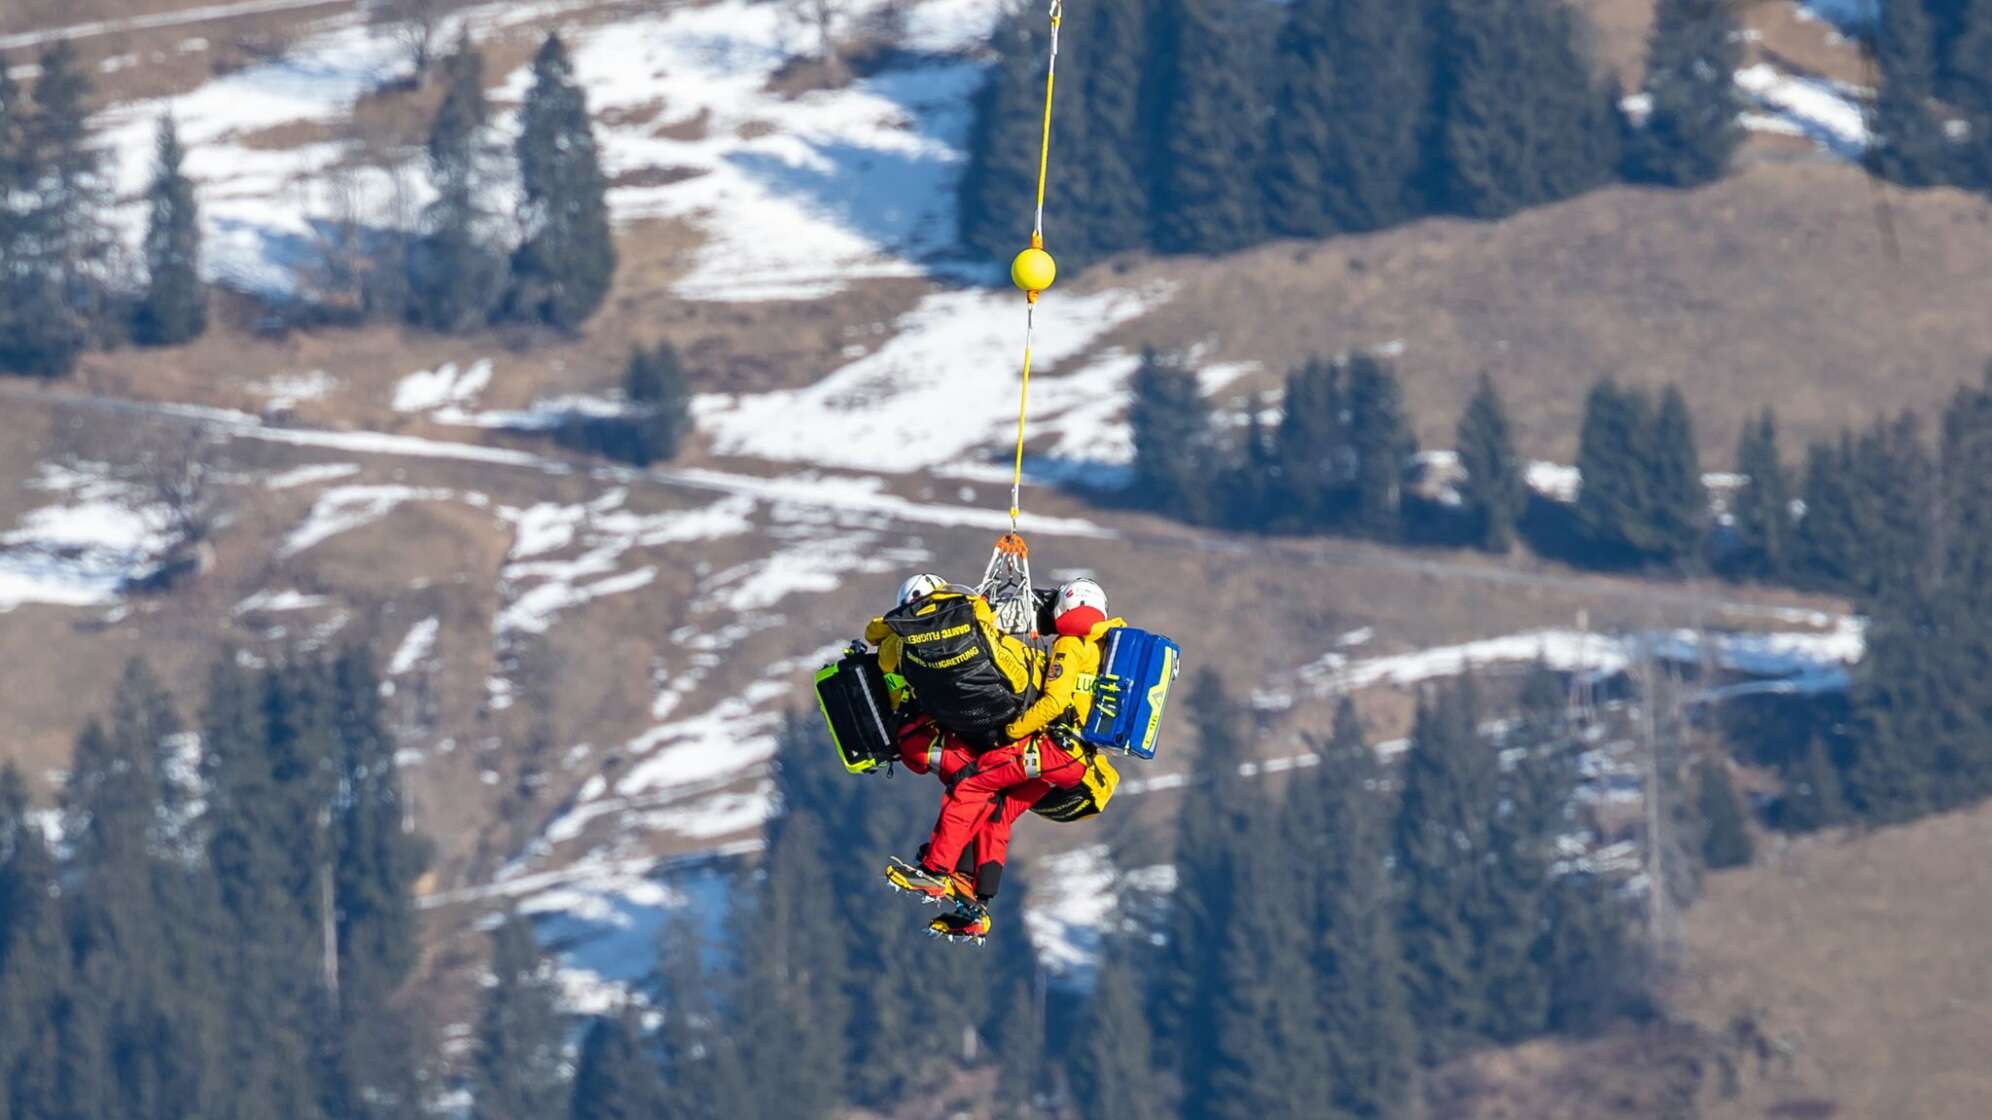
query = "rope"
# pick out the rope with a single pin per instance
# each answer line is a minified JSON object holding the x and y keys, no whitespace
{"x":1037,"y":242}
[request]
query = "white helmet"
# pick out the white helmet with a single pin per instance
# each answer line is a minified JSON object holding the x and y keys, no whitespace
{"x":1080,"y":593}
{"x":919,"y":587}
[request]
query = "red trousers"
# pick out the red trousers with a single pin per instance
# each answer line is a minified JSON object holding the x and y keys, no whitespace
{"x":986,"y":794}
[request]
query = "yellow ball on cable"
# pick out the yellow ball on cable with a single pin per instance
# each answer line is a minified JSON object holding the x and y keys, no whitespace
{"x":1033,"y":270}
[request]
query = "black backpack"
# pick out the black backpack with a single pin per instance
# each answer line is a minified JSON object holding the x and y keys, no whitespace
{"x":948,"y":658}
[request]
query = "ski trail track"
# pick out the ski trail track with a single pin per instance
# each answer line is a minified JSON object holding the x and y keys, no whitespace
{"x":209,"y":14}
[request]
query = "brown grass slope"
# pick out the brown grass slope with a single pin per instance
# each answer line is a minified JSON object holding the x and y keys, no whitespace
{"x":1768,"y":288}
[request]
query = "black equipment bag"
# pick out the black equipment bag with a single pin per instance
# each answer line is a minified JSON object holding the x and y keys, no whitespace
{"x":948,"y":657}
{"x":856,"y":705}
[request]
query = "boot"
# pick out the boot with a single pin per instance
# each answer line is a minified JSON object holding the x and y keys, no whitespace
{"x":932,"y":886}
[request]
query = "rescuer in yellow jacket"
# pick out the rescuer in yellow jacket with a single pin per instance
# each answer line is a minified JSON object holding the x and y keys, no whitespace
{"x":984,"y":801}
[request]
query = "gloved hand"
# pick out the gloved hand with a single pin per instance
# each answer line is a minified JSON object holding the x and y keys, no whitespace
{"x":857,"y":646}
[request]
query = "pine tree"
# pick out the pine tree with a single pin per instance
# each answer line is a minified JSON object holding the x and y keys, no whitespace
{"x":1496,"y":490}
{"x":1967,"y":32}
{"x":145,"y":977}
{"x":1265,"y":1026}
{"x":1592,"y":964}
{"x":1909,"y":146}
{"x":792,"y":1012}
{"x":1316,"y":449}
{"x":174,"y":309}
{"x":1534,"y":792}
{"x":701,"y":1061}
{"x":17,"y":281}
{"x":654,"y":382}
{"x":1251,"y":494}
{"x":516,"y":1068}
{"x":561,"y":273}
{"x":1764,"y":527}
{"x":616,"y":1078}
{"x":1813,"y":797}
{"x":455,"y":271}
{"x":1208,"y":199}
{"x":259,"y":830}
{"x":1726,"y":839}
{"x":1336,"y":831}
{"x":1113,"y":51}
{"x":1442,"y":845}
{"x":1523,"y":119}
{"x":1174,"y":458}
{"x":1113,"y":1066}
{"x":1681,"y":501}
{"x":1635,"y":486}
{"x":1380,"y":434}
{"x":1213,"y":817}
{"x":66,"y":249}
{"x":1826,"y":543}
{"x":1351,"y":80}
{"x":1000,"y":180}
{"x":1691,"y":132}
{"x":35,"y":983}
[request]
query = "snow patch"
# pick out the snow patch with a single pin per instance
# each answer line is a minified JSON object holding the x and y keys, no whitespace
{"x":1831,"y":114}
{"x":428,"y":390}
{"x":311,"y":476}
{"x":951,"y":356}
{"x":415,"y":647}
{"x":343,"y":509}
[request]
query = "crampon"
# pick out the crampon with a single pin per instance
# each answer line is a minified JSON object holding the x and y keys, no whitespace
{"x":930,"y":886}
{"x":968,"y":923}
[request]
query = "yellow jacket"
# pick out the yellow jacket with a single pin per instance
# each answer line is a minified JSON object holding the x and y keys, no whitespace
{"x":1068,"y":682}
{"x":1019,"y":663}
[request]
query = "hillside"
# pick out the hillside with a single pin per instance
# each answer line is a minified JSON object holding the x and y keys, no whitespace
{"x":588,"y":664}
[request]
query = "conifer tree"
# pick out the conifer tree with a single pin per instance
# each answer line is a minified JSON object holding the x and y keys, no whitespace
{"x":1589,"y":957}
{"x":999,"y":184}
{"x":1113,"y":1065}
{"x":1174,"y":456}
{"x":1523,"y":120}
{"x":1691,"y":132}
{"x":1442,"y":845}
{"x":17,"y":286}
{"x":516,"y":1069}
{"x":1350,"y":99}
{"x":1967,"y":34}
{"x":701,"y":1061}
{"x":1909,"y":147}
{"x":66,"y":248}
{"x":1380,"y":434}
{"x":1252,"y":494}
{"x":34,"y":960}
{"x":1265,"y":1027}
{"x":456,"y":272}
{"x":1534,"y":796}
{"x":1726,"y":839}
{"x":561,"y":273}
{"x":1316,"y":449}
{"x":174,"y":309}
{"x":1337,"y":833}
{"x":792,"y":1011}
{"x":1113,"y":49}
{"x":1208,"y":199}
{"x":264,"y":874}
{"x":1763,"y":505}
{"x":1205,"y":897}
{"x":1826,"y":543}
{"x":1496,"y":490}
{"x":1642,"y":496}
{"x":654,"y":382}
{"x":1813,"y":797}
{"x":1681,"y":501}
{"x":616,"y":1078}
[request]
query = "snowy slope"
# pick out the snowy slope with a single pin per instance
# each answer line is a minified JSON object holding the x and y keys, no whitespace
{"x":797,"y":196}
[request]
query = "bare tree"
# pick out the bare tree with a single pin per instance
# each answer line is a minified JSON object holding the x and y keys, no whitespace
{"x":415,"y":24}
{"x":177,"y":471}
{"x":825,"y":20}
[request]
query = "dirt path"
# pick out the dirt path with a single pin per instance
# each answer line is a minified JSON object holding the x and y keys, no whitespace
{"x":208,"y":14}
